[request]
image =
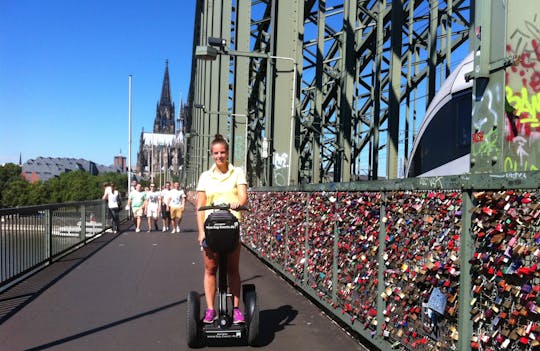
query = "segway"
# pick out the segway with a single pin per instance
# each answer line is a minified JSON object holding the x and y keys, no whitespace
{"x":222,"y":235}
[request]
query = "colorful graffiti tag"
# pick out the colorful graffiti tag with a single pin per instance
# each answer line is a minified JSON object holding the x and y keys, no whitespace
{"x":522,"y":88}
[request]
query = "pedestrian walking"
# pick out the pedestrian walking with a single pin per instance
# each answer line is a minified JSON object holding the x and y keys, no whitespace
{"x":136,"y":201}
{"x":165,"y":212}
{"x":177,"y":199}
{"x":112,"y":196}
{"x":152,"y":207}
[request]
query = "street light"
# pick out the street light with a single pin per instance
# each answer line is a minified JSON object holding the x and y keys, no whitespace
{"x":130,"y":77}
{"x":218,"y":46}
{"x":216,"y":42}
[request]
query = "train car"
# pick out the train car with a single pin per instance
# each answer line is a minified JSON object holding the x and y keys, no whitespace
{"x":443,"y":144}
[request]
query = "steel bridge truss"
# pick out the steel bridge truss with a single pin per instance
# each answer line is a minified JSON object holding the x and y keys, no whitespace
{"x":320,"y":91}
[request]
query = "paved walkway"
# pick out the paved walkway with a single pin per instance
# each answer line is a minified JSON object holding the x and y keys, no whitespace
{"x":128,"y":292}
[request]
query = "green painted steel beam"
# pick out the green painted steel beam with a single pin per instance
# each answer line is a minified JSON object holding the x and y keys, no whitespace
{"x":395,"y":91}
{"x":346,"y":96}
{"x":240,"y":85}
{"x":488,"y":120}
{"x":369,"y":96}
{"x":317,"y":118}
{"x":281,"y":126}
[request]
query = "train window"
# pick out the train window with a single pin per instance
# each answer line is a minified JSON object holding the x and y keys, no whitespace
{"x":446,"y":138}
{"x":464,"y":111}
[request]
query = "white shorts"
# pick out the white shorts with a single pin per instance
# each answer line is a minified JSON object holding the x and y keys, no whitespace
{"x":152,"y":210}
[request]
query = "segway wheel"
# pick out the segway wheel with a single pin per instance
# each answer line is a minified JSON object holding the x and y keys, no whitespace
{"x":252,"y":311}
{"x":193,"y":336}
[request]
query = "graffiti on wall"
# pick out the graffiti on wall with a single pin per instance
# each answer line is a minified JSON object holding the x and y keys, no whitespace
{"x":522,"y":80}
{"x":485,"y":138}
{"x":239,"y":150}
{"x":281,"y":169}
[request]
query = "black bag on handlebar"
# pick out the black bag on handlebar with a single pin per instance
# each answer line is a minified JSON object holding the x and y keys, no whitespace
{"x":222,"y":231}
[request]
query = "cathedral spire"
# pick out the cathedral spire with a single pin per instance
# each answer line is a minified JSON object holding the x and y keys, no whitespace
{"x":166,"y":87}
{"x":164,"y":122}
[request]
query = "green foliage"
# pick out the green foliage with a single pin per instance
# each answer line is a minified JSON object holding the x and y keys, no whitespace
{"x":14,"y":192}
{"x":8,"y":173}
{"x":70,"y":186}
{"x":37,"y":193}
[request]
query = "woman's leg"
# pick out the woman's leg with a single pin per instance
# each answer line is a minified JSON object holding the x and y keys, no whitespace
{"x":111,"y":214}
{"x":115,"y":213}
{"x":138,"y":221}
{"x":233,"y":271}
{"x":210,"y":270}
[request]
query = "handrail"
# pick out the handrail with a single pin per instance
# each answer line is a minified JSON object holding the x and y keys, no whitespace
{"x":34,"y":236}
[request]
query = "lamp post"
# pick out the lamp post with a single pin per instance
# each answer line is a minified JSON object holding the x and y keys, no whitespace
{"x":129,"y":135}
{"x":218,"y":46}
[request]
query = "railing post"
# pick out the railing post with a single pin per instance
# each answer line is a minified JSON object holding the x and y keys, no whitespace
{"x":382,"y":263}
{"x":335,"y":256}
{"x":104,"y":217}
{"x":286,"y":252}
{"x":275,"y":260}
{"x":82,"y":235}
{"x":306,"y":242}
{"x":48,"y":235}
{"x":465,"y":254}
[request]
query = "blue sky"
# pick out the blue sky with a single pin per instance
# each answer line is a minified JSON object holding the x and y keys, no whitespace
{"x":64,"y":68}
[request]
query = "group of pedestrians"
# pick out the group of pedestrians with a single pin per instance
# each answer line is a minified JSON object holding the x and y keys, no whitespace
{"x":169,"y":203}
{"x":150,"y":202}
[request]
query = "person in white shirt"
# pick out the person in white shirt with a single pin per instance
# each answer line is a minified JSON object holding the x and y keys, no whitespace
{"x":164,"y":200}
{"x":176,"y":202}
{"x":152,"y":207}
{"x":112,"y":197}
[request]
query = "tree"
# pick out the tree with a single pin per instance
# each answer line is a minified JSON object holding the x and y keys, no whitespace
{"x":8,"y":173}
{"x":15,"y":192}
{"x":69,"y":186}
{"x":37,"y":193}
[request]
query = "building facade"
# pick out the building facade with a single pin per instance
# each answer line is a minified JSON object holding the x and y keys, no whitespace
{"x":45,"y":168}
{"x":120,"y":162}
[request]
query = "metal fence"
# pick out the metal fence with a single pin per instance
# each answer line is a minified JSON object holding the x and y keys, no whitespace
{"x":428,"y":264}
{"x":37,"y":235}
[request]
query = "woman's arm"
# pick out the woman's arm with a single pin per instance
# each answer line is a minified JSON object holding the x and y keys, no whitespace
{"x":201,"y":201}
{"x":241,"y":190}
{"x":242,"y":195}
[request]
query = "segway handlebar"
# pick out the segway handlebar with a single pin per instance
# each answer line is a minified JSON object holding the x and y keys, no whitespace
{"x":222,"y":207}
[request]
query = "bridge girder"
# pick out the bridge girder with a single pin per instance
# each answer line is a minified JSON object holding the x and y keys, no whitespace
{"x":333,"y":90}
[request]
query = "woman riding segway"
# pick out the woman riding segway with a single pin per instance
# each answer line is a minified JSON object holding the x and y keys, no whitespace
{"x":221,"y":184}
{"x":221,"y":190}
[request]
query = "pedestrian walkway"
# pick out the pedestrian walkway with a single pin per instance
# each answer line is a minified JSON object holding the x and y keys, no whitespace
{"x":128,"y":292}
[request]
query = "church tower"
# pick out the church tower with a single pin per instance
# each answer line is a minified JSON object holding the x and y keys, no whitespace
{"x":164,"y":122}
{"x":160,"y":151}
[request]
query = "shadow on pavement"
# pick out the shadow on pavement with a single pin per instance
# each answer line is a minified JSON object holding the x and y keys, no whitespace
{"x":16,"y":297}
{"x":106,"y":326}
{"x":273,"y":321}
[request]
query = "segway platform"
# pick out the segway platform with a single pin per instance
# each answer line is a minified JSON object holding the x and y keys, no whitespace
{"x":211,"y":331}
{"x":222,"y":235}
